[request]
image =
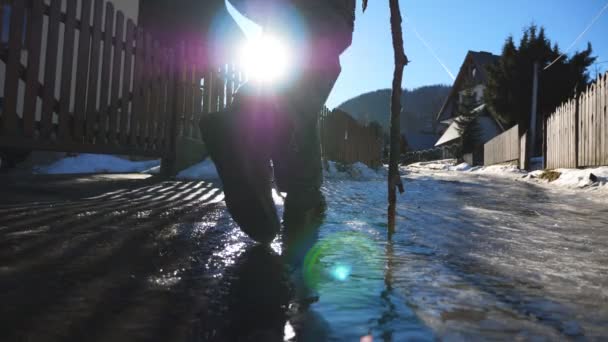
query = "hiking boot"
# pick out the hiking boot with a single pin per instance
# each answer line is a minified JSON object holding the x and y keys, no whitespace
{"x":246,"y":177}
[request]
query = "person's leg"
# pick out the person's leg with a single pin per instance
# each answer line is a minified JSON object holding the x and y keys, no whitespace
{"x":237,"y":143}
{"x":298,"y":166}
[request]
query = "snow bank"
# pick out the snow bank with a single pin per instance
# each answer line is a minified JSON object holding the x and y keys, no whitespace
{"x":203,"y":170}
{"x":461,"y":167}
{"x":97,"y":163}
{"x":567,"y":178}
{"x":357,"y":172}
{"x":582,"y":178}
{"x":500,"y":170}
{"x":444,"y":164}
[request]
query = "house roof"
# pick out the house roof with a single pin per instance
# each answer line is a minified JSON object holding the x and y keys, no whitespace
{"x":450,"y":134}
{"x":490,"y":127}
{"x":480,"y":59}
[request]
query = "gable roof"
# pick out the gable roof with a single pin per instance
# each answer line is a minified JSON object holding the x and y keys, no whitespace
{"x":480,"y":59}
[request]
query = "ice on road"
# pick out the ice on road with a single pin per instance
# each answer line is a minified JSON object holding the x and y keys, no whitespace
{"x":473,"y":257}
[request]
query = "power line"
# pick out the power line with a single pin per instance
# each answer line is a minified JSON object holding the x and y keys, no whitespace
{"x":599,"y":14}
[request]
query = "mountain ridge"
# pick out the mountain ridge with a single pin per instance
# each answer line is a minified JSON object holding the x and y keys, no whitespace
{"x":420,"y":107}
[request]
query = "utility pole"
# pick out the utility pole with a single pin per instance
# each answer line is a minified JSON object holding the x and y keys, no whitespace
{"x":532,"y":131}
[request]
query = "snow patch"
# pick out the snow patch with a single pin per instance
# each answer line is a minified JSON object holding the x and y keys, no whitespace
{"x":591,"y":178}
{"x":444,"y":164}
{"x":203,"y":170}
{"x":461,"y":167}
{"x":582,"y":178}
{"x":98,"y":163}
{"x":502,"y":169}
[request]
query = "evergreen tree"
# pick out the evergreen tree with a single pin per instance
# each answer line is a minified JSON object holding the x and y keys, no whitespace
{"x":509,"y":88}
{"x":467,"y":122}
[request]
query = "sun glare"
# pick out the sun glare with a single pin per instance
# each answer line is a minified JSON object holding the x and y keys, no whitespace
{"x":265,"y":59}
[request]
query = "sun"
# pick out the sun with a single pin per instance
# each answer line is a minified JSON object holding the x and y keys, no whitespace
{"x":265,"y":59}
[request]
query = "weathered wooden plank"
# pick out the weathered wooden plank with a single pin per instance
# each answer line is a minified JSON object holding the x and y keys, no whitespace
{"x":604,"y":110}
{"x":208,"y":92}
{"x":198,"y":98}
{"x":222,"y":87}
{"x":146,"y":117}
{"x":125,"y":114}
{"x":137,"y":88}
{"x":106,"y":129}
{"x":588,"y":122}
{"x":601,"y":124}
{"x":170,"y":128}
{"x":93,"y":86}
{"x":117,"y":68}
{"x":66,"y":70}
{"x":581,"y":129}
{"x":35,"y":23}
{"x":11,"y":83}
{"x":162,"y":103}
{"x":180,"y":97}
{"x":592,"y":129}
{"x":82,"y":73}
{"x":232,"y":83}
{"x":189,"y":92}
{"x":155,"y":100}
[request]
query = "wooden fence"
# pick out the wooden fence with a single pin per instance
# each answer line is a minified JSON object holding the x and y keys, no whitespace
{"x":503,"y":148}
{"x":577,"y":132}
{"x":436,"y":153}
{"x":94,"y":82}
{"x":345,"y":140}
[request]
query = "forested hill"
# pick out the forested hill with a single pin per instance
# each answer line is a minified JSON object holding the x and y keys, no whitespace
{"x":421,"y":106}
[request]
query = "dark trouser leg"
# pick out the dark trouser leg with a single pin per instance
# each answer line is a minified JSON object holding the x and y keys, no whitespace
{"x":298,"y":166}
{"x":238,"y":144}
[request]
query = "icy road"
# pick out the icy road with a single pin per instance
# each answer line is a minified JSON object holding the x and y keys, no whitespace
{"x":473,"y":257}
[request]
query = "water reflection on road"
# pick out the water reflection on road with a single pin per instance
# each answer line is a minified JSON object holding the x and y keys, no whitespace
{"x":471,"y":259}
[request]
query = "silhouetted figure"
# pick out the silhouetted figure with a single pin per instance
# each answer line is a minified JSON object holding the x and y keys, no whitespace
{"x":281,"y":123}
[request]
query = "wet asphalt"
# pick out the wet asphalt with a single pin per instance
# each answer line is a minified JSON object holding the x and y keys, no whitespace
{"x":136,"y":259}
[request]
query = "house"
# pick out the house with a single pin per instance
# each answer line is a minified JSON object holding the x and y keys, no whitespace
{"x":472,"y":74}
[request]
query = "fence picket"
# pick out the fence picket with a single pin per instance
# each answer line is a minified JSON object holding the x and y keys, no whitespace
{"x":105,"y":129}
{"x":503,"y":148}
{"x":91,"y":114}
{"x":198,"y":93}
{"x":11,"y":84}
{"x":125,"y":114}
{"x":189,"y":93}
{"x":35,"y":22}
{"x":155,"y":96}
{"x":137,"y":89}
{"x":604,"y":111}
{"x":163,"y":93}
{"x":82,"y":73}
{"x":117,"y":71}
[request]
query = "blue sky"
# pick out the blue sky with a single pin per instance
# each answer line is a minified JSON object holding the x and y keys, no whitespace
{"x":451,"y":28}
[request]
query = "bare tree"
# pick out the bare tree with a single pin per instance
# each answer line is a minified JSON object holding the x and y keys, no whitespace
{"x":394,"y":180}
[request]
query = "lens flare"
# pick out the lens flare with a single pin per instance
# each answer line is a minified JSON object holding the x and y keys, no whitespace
{"x":341,"y":272}
{"x":265,"y":59}
{"x":338,"y":257}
